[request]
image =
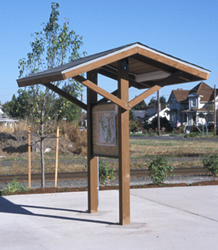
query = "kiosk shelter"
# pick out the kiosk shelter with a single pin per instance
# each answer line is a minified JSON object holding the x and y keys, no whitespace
{"x":133,"y":65}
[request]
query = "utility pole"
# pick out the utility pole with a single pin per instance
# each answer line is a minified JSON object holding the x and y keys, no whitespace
{"x":158,"y":113}
{"x":214,"y":128}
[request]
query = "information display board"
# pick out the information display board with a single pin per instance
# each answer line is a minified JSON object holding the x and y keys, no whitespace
{"x":104,"y":130}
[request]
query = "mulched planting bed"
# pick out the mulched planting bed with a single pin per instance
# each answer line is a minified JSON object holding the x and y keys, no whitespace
{"x":66,"y":189}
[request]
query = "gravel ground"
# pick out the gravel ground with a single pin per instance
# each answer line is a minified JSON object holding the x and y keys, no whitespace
{"x":133,"y":181}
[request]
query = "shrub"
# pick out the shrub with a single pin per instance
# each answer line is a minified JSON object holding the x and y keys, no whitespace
{"x":133,"y":126}
{"x":14,"y":187}
{"x":158,"y":169}
{"x":192,"y":135}
{"x":105,"y":173}
{"x":211,"y":164}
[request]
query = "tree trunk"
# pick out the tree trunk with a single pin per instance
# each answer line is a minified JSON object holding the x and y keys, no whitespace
{"x":42,"y":146}
{"x":42,"y":162}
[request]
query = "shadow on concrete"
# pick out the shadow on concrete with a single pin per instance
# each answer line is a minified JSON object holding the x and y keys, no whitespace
{"x":7,"y":206}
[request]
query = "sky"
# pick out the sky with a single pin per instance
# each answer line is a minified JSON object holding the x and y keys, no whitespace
{"x":187,"y":29}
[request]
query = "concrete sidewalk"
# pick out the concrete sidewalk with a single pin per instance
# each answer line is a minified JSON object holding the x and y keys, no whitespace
{"x":162,"y":218}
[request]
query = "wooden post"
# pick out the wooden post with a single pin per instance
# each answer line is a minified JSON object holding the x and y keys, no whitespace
{"x":123,"y":144}
{"x":214,"y":128}
{"x":92,"y":161}
{"x":29,"y":158}
{"x":56,"y":162}
{"x":158,"y":113}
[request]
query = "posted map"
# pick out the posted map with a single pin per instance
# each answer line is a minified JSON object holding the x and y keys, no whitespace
{"x":107,"y":128}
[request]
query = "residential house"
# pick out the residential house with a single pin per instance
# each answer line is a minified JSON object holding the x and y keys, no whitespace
{"x":188,"y":107}
{"x":5,"y":120}
{"x":150,"y":113}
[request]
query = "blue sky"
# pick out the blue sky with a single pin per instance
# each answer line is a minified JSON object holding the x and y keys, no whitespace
{"x":186,"y":29}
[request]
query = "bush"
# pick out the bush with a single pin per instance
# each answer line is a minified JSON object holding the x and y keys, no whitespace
{"x":133,"y":126}
{"x":211,"y":164}
{"x":163,"y":122}
{"x":158,"y":169}
{"x":192,"y":135}
{"x":14,"y":187}
{"x":105,"y":173}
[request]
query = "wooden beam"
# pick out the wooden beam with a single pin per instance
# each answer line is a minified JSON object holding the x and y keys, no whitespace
{"x":66,"y":95}
{"x":172,"y":79}
{"x":112,"y":73}
{"x":103,"y":100}
{"x":100,"y":91}
{"x":142,"y":96}
{"x":92,"y":161}
{"x":123,"y":144}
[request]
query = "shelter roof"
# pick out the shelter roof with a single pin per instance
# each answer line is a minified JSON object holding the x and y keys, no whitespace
{"x":147,"y":67}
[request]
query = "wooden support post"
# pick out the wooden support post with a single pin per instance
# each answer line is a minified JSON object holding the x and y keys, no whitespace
{"x":214,"y":128}
{"x":158,"y":113}
{"x":29,"y":158}
{"x":56,"y":161}
{"x":123,"y":143}
{"x":92,"y":161}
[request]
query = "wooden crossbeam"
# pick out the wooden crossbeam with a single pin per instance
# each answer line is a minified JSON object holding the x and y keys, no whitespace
{"x":112,"y":73}
{"x":101,"y":91}
{"x":103,"y":100}
{"x":66,"y":95}
{"x":172,"y":79}
{"x":144,"y":95}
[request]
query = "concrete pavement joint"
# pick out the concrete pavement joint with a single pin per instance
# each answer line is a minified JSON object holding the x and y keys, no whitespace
{"x":183,"y":210}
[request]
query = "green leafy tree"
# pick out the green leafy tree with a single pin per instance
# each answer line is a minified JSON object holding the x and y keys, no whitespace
{"x":140,"y":106}
{"x":19,"y":107}
{"x":153,"y":102}
{"x":163,"y":101}
{"x":53,"y":46}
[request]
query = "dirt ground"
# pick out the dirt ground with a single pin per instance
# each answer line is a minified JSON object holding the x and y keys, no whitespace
{"x":17,"y":143}
{"x":77,"y":189}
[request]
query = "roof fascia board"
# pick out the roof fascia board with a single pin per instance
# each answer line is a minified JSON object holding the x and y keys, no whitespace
{"x":173,"y":62}
{"x":172,"y":58}
{"x":99,"y":62}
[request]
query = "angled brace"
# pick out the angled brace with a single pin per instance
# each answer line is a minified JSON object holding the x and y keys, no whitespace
{"x":66,"y":95}
{"x":101,"y":91}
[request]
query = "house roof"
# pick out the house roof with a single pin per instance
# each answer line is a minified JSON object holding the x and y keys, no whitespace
{"x":201,"y":89}
{"x":180,"y":94}
{"x":204,"y":90}
{"x":147,"y":67}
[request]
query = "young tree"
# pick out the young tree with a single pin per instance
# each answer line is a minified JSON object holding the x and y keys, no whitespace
{"x":54,"y":45}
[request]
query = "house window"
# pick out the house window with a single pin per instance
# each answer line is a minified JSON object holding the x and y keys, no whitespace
{"x":174,"y":104}
{"x":173,"y":117}
{"x":193,"y":102}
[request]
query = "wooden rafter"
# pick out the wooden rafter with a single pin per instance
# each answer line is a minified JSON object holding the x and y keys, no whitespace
{"x":101,"y":91}
{"x":66,"y":95}
{"x":142,"y":96}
